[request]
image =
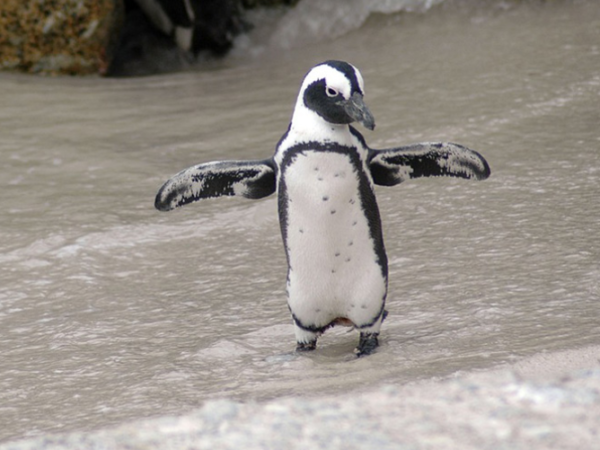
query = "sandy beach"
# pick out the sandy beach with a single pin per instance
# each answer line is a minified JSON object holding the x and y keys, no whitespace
{"x":124,"y":327}
{"x":548,"y":401}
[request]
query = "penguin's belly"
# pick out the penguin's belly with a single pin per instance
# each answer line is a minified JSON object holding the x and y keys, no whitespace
{"x":333,"y":265}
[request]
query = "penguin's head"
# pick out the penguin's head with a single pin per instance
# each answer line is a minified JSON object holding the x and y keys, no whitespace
{"x":334,"y":91}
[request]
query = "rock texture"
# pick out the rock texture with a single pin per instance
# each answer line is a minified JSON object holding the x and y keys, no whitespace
{"x":112,"y":37}
{"x":148,"y":42}
{"x":57,"y":36}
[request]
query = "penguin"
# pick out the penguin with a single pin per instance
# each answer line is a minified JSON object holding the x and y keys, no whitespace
{"x":324,"y":174}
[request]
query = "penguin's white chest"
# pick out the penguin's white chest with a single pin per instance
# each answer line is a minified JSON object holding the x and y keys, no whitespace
{"x":333,"y":264}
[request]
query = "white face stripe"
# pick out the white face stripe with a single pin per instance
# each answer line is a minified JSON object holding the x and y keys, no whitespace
{"x":333,"y":78}
{"x":360,"y":80}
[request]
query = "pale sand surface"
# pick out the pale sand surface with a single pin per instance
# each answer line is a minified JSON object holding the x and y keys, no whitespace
{"x":548,"y":401}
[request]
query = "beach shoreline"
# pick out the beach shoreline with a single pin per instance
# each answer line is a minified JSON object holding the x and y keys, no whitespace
{"x":549,"y":400}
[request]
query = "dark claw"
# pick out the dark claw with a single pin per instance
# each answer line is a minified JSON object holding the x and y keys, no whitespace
{"x":367,"y":344}
{"x":306,"y":346}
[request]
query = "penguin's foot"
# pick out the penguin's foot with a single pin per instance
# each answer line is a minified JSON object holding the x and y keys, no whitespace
{"x":367,"y":344}
{"x":306,"y":346}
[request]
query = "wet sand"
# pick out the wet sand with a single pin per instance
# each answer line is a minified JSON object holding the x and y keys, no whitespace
{"x":112,"y":312}
{"x":548,"y":401}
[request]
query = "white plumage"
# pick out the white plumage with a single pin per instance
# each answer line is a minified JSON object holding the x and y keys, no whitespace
{"x":334,"y":271}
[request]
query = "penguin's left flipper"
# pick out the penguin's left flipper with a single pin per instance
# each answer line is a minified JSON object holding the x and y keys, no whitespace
{"x":429,"y":159}
{"x":250,"y":179}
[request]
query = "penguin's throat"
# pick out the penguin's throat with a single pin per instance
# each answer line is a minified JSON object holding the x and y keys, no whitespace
{"x":307,"y":125}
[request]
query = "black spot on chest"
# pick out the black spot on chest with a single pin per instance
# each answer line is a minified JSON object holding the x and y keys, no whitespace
{"x":365,"y":198}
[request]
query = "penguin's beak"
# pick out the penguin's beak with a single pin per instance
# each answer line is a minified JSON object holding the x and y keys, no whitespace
{"x":355,"y":107}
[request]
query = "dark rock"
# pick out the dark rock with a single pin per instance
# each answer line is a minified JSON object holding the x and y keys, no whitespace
{"x":144,"y":50}
{"x":118,"y":37}
{"x":161,"y":36}
{"x":249,"y":4}
{"x":217,"y":23}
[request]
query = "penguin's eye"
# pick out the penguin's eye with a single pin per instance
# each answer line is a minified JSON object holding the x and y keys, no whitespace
{"x":331,"y":92}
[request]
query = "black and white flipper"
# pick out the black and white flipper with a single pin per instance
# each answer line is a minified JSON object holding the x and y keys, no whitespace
{"x":249,"y":179}
{"x":390,"y":167}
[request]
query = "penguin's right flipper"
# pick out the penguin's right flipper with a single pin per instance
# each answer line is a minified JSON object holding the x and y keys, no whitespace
{"x":250,"y":179}
{"x":427,"y":159}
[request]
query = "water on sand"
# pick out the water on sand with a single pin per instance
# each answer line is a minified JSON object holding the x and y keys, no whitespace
{"x":111,"y":311}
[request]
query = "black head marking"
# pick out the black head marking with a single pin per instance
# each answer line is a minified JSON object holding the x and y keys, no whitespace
{"x":326,"y":106}
{"x":338,"y":104}
{"x":349,"y":72}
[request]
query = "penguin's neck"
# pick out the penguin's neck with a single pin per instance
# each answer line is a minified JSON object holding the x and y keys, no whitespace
{"x":307,"y":126}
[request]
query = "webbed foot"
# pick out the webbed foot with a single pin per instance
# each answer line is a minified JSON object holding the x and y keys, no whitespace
{"x":306,"y":346}
{"x":367,"y":344}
